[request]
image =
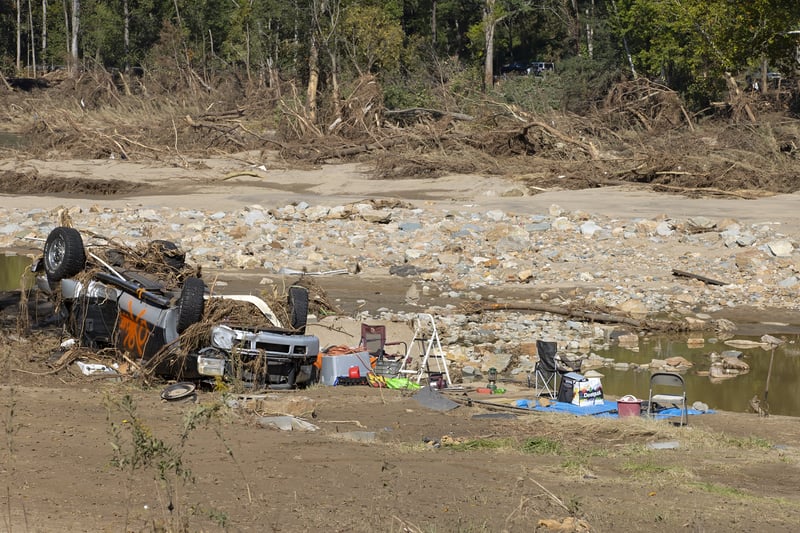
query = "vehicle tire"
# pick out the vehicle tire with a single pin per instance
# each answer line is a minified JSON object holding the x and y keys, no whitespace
{"x":298,"y":307}
{"x":64,"y":254}
{"x":191,"y":304}
{"x":171,"y":253}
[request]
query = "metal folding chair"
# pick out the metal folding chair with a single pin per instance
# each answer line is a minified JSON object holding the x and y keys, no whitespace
{"x":658,"y":382}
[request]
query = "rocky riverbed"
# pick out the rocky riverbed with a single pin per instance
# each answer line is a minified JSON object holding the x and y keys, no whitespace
{"x":449,"y":258}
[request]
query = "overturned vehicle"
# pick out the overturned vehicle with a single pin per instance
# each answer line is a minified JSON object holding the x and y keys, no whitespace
{"x":157,"y":310}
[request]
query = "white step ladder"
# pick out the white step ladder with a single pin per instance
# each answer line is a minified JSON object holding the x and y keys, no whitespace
{"x":433,"y":360}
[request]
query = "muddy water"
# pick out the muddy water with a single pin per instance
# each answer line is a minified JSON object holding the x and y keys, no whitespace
{"x":11,"y":140}
{"x":732,"y":394}
{"x":13,"y":270}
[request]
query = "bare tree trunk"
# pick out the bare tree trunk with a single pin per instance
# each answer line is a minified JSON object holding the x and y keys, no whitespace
{"x":313,"y":79}
{"x":590,"y":31}
{"x":335,"y":91}
{"x":126,"y":33}
{"x":247,"y":58}
{"x":44,"y":31}
{"x":19,"y":35}
{"x":33,"y":39}
{"x":489,"y":26}
{"x":76,"y":24}
{"x":296,"y":38}
{"x":66,"y":25}
{"x":575,"y":28}
{"x":433,"y":23}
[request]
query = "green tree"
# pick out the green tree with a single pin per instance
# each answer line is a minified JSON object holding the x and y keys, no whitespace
{"x":372,"y":37}
{"x":690,"y":44}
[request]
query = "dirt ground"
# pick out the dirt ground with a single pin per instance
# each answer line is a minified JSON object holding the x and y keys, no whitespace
{"x":92,"y":454}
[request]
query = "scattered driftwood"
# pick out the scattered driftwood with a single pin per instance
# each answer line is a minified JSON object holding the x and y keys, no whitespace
{"x":737,"y":99}
{"x":359,"y":149}
{"x":416,"y":113}
{"x":237,"y":173}
{"x":588,"y":148}
{"x":66,"y":359}
{"x":708,"y":191}
{"x":709,"y":281}
{"x":591,"y":316}
{"x":647,"y":104}
{"x":226,"y":132}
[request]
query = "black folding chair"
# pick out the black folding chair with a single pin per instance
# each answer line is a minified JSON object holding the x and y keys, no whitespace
{"x":546,"y":369}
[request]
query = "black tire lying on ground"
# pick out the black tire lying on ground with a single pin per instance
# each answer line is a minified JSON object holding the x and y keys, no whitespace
{"x":191,"y":303}
{"x":171,"y":253}
{"x":64,"y":254}
{"x":298,"y":307}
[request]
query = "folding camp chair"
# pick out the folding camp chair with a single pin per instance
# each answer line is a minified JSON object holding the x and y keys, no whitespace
{"x":373,"y":339}
{"x":546,"y":369}
{"x":674,"y":381}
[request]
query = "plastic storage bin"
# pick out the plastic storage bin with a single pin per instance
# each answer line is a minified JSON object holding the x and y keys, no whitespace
{"x":334,"y":366}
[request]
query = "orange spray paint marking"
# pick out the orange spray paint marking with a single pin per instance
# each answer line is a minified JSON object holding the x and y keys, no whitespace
{"x":134,"y":329}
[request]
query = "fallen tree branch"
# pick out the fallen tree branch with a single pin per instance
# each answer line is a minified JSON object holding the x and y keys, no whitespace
{"x":420,"y":111}
{"x":709,"y":281}
{"x":586,"y":147}
{"x":747,"y":195}
{"x":237,"y":173}
{"x":359,"y":149}
{"x":605,"y":318}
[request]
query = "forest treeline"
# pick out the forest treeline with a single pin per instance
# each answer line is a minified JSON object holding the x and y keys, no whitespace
{"x":421,"y":52}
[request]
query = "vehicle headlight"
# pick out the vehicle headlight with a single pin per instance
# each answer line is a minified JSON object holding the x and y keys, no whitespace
{"x":223,"y":337}
{"x":210,"y":366}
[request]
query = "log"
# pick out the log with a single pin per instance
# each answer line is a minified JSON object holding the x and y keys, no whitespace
{"x":591,"y":316}
{"x":708,"y":281}
{"x":359,"y":149}
{"x":421,"y":111}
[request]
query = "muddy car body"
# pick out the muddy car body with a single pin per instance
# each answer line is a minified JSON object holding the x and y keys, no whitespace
{"x":109,"y":306}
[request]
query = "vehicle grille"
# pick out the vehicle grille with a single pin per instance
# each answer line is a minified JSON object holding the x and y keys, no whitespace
{"x":280,"y":348}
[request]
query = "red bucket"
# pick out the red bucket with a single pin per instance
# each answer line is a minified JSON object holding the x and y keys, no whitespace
{"x":629,"y":406}
{"x":355,"y":372}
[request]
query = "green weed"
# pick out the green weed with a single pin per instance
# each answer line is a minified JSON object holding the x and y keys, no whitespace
{"x":541,"y":446}
{"x":649,"y":468}
{"x":749,"y":443}
{"x":481,"y":444}
{"x":722,"y":490}
{"x":136,"y":448}
{"x":575,"y":465}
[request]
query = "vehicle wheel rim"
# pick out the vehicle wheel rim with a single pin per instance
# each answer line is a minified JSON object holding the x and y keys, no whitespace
{"x":56,"y":252}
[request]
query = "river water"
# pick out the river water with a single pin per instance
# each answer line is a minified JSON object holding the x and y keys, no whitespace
{"x":11,"y":140}
{"x":731,"y":394}
{"x":13,"y":270}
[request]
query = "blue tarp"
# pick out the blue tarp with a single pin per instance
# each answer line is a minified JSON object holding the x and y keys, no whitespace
{"x":607,"y":409}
